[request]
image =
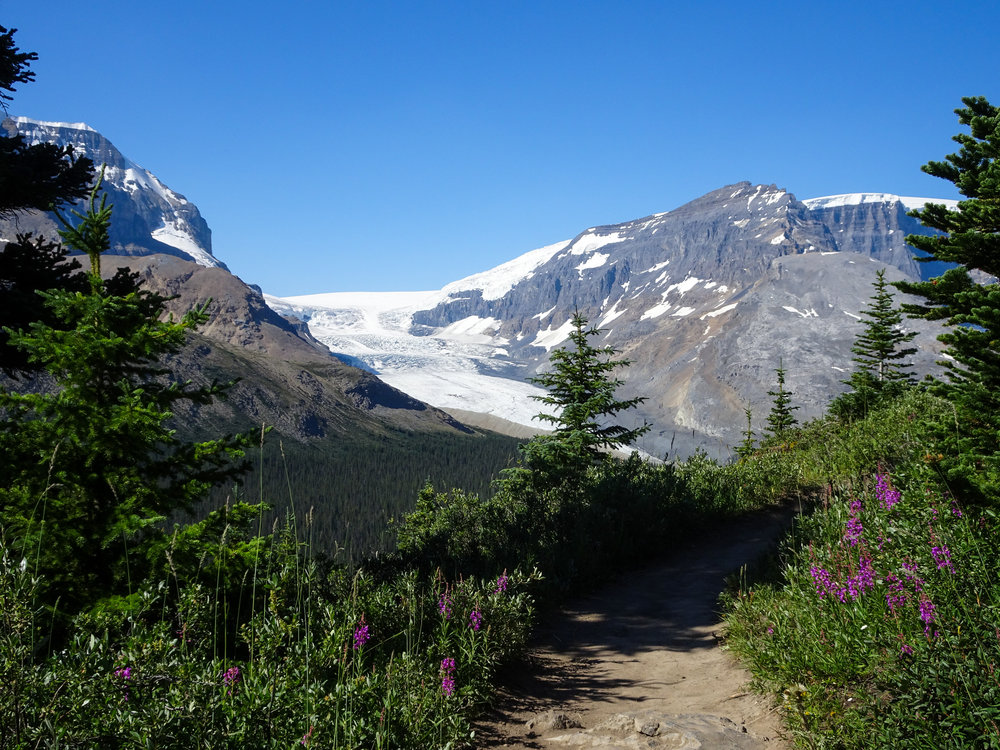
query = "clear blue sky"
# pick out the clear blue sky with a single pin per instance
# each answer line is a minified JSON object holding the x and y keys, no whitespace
{"x":368,"y":145}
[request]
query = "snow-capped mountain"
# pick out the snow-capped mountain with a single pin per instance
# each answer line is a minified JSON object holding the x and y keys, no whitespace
{"x":286,"y":378}
{"x":705,"y":300}
{"x":149,"y":217}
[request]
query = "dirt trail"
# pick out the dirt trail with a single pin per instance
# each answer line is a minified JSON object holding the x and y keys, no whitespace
{"x":638,"y":663}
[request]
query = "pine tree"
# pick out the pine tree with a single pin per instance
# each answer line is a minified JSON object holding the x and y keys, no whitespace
{"x":91,"y":467}
{"x":745,"y":449}
{"x":40,"y":177}
{"x":970,"y":237}
{"x":879,"y":355}
{"x":583,"y":396}
{"x":781,"y":419}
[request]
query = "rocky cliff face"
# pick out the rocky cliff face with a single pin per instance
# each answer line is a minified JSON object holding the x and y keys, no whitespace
{"x":875,"y":224}
{"x":149,"y":217}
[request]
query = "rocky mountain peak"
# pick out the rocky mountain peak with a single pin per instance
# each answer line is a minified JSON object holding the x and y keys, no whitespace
{"x":149,"y":217}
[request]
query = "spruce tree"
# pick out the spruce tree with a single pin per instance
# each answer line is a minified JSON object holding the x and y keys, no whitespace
{"x":92,"y":468}
{"x":39,"y":177}
{"x":967,"y":297}
{"x":745,"y":449}
{"x":880,"y":354}
{"x":582,"y":393}
{"x":781,"y":419}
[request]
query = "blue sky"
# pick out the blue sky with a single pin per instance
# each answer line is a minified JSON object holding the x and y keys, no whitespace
{"x":364,"y":146}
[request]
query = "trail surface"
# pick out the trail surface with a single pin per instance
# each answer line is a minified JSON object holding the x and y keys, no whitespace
{"x":638,"y":664}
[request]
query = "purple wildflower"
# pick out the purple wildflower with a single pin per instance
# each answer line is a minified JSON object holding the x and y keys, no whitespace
{"x":911,"y":575}
{"x":942,"y":556}
{"x":229,"y":678}
{"x":448,"y":676}
{"x":854,"y":530}
{"x":927,"y":610}
{"x":501,"y":584}
{"x":864,"y":579}
{"x":361,"y":634}
{"x":444,"y":606}
{"x":885,"y":492}
{"x":124,"y":674}
{"x":905,"y":650}
{"x":825,"y":585}
{"x":896,"y":596}
{"x":475,"y":619}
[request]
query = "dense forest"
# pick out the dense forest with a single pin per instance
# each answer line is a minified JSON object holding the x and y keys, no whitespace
{"x":353,"y":488}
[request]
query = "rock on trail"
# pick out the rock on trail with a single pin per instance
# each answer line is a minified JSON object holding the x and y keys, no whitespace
{"x":638,"y":664}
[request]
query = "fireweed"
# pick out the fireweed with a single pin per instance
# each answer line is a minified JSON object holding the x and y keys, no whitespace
{"x":413,"y":687}
{"x":885,"y":597}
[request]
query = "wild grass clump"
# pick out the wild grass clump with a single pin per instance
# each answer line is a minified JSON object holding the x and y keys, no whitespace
{"x":881,"y":628}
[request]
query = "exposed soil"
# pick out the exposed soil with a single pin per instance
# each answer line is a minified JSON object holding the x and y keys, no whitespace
{"x":638,"y":664}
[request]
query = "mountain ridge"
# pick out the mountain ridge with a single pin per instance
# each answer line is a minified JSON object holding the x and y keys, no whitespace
{"x":694,"y":297}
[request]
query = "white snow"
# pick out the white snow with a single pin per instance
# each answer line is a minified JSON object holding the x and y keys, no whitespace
{"x":174,"y":234}
{"x":591,"y":242}
{"x":682,"y":312}
{"x":684,"y":286}
{"x":544,"y":315}
{"x":46,"y":124}
{"x":856,"y":317}
{"x":778,"y":240}
{"x":472,"y":329}
{"x":856,"y":199}
{"x":806,"y":314}
{"x":496,"y":282}
{"x":552,"y":337}
{"x":611,"y":315}
{"x":721,"y":310}
{"x":657,"y":267}
{"x":656,"y":311}
{"x":447,"y":369}
{"x":594,"y":261}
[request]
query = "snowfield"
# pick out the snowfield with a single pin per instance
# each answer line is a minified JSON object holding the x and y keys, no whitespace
{"x":453,"y":368}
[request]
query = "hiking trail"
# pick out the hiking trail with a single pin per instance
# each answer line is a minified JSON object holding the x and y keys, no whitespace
{"x":638,"y":663}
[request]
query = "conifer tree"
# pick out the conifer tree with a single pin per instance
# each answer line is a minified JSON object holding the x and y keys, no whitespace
{"x":582,"y":393}
{"x":746,"y":448}
{"x":970,"y":237}
{"x":781,"y":419}
{"x":40,"y":177}
{"x":91,"y":467}
{"x":880,"y":354}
